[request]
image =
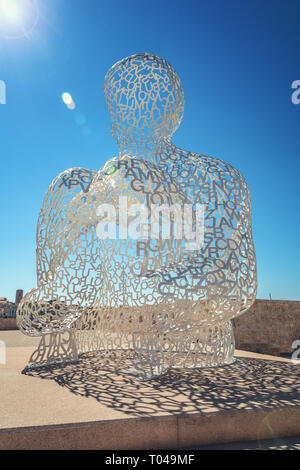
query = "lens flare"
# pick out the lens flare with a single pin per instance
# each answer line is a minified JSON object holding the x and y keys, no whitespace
{"x":71,"y":106}
{"x":68,"y":100}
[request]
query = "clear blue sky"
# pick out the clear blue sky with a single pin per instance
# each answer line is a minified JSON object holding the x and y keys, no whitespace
{"x":237,"y":60}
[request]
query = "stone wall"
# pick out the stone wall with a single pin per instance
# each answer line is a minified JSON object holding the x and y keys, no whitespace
{"x":269,"y":327}
{"x":8,"y":324}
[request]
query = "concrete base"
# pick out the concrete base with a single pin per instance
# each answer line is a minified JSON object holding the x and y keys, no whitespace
{"x":94,"y":405}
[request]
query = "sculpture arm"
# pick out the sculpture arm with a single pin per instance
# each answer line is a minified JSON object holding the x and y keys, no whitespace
{"x":67,"y":273}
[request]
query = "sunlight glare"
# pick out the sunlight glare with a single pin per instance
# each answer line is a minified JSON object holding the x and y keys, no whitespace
{"x":12,"y":10}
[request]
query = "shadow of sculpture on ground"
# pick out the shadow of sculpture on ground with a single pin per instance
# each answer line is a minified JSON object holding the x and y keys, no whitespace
{"x":247,"y":384}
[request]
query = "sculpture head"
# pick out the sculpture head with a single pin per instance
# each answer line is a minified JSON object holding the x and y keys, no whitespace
{"x":145,"y":98}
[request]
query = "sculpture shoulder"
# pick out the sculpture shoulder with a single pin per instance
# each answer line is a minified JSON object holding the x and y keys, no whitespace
{"x":127,"y":169}
{"x":124,"y":173}
{"x":125,"y":165}
{"x":216,"y":171}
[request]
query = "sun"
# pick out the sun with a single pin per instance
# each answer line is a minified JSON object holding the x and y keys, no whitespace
{"x":12,"y":10}
{"x":18,"y":18}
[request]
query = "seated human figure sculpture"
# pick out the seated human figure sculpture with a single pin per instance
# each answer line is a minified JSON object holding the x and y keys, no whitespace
{"x":168,"y":299}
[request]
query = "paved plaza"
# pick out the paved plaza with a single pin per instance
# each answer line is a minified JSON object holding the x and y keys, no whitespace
{"x":94,"y":404}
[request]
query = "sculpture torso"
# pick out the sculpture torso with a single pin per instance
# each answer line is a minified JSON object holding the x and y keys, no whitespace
{"x":212,"y":273}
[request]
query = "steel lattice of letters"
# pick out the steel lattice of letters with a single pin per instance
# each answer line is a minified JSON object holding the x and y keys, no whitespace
{"x":169,"y":306}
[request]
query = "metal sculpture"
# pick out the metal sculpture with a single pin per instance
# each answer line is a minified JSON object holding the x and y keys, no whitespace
{"x":124,"y":260}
